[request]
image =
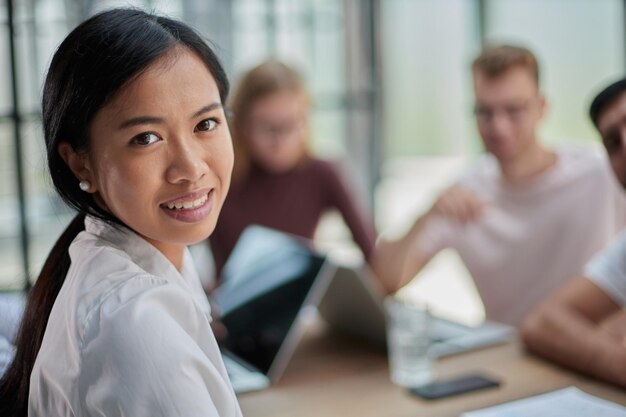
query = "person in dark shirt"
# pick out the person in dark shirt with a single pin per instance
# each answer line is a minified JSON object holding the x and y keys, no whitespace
{"x":277,"y":183}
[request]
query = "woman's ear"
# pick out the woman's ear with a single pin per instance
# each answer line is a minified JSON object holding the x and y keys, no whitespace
{"x":78,"y":164}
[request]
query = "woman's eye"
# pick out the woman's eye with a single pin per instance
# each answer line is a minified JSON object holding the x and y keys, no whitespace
{"x":144,"y":139}
{"x":206,"y":125}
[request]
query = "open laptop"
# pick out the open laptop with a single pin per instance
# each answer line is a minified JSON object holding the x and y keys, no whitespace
{"x":275,"y":282}
{"x":271,"y":285}
{"x":353,"y":305}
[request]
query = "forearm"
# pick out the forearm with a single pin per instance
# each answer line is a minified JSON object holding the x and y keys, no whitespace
{"x":396,"y":262}
{"x":567,"y":337}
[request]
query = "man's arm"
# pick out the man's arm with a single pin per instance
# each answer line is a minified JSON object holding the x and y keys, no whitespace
{"x":396,"y":262}
{"x":565,"y":329}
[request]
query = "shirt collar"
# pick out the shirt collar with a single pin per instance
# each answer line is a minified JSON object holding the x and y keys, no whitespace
{"x":146,"y":256}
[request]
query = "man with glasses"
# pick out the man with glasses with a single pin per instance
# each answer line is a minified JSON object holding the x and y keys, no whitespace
{"x":525,"y":218}
{"x":569,"y":326}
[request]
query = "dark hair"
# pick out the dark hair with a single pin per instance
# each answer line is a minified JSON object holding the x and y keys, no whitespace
{"x":606,"y":97}
{"x":96,"y":60}
{"x":495,"y":60}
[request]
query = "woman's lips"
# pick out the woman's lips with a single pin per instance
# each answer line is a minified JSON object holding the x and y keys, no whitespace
{"x":190,"y":208}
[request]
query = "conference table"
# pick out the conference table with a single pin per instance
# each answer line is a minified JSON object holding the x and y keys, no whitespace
{"x":334,"y":376}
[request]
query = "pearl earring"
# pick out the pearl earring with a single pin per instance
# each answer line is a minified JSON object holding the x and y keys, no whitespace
{"x":84,"y":185}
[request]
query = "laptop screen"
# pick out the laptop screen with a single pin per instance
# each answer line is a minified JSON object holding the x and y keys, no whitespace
{"x":266,"y":282}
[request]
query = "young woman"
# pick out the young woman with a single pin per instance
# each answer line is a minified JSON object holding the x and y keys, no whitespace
{"x":137,"y":142}
{"x":276,"y":181}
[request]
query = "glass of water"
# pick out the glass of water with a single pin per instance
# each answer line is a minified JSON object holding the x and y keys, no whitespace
{"x":408,"y":342}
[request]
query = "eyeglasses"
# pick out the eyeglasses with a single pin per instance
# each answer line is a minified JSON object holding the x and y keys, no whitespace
{"x":268,"y":129}
{"x":515,"y":112}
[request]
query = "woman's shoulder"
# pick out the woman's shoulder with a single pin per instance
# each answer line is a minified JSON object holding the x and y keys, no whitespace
{"x":135,"y":303}
{"x":319,"y":164}
{"x":321,"y":169}
{"x":109,"y":286}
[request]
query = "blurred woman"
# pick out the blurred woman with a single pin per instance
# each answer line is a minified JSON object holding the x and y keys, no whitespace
{"x":277,"y":183}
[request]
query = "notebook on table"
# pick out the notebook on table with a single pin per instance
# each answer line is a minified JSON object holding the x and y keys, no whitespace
{"x":567,"y":402}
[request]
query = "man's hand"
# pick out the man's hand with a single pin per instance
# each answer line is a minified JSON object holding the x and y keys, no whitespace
{"x":459,"y":204}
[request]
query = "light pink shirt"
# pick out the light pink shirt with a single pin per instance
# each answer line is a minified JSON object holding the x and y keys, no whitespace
{"x":533,"y":237}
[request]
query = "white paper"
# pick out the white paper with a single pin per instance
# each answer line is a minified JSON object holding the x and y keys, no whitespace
{"x":568,"y":402}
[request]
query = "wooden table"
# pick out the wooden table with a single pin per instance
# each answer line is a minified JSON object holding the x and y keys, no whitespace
{"x":331,"y":376}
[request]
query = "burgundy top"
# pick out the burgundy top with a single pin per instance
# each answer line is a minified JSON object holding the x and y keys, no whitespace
{"x":292,"y":202}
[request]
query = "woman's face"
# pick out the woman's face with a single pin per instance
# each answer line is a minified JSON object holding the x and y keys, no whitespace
{"x":160,"y":156}
{"x":275,"y":130}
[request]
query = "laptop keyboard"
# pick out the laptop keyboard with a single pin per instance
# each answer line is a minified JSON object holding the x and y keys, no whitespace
{"x":450,"y":338}
{"x":242,"y":378}
{"x":442,"y":330}
{"x":233,"y":368}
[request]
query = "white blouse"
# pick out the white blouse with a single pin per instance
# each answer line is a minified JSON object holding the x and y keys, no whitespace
{"x":129,"y":335}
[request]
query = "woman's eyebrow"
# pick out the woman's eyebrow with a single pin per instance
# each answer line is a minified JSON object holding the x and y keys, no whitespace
{"x":206,"y":109}
{"x":145,"y":120}
{"x":141,"y":120}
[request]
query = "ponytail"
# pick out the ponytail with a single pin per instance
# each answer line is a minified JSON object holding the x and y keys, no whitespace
{"x":15,"y":384}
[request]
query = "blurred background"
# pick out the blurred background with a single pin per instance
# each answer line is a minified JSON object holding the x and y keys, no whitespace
{"x":392,"y":96}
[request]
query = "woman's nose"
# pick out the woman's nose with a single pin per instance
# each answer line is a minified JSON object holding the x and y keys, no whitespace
{"x":187,"y":162}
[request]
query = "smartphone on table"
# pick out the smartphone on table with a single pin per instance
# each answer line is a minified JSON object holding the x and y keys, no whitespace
{"x":454,"y":386}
